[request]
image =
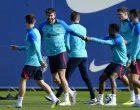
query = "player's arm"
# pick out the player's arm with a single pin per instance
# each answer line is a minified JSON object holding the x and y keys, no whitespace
{"x":135,"y":47}
{"x":69,"y":30}
{"x":40,"y":29}
{"x":33,"y":39}
{"x":15,"y":47}
{"x":129,"y":40}
{"x":100,"y":41}
{"x":105,"y":38}
{"x":67,"y":42}
{"x":107,"y":41}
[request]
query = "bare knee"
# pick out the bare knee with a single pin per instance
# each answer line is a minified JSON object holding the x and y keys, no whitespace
{"x":134,"y":81}
{"x":56,"y":80}
{"x":101,"y":79}
{"x":40,"y":82}
{"x":22,"y":80}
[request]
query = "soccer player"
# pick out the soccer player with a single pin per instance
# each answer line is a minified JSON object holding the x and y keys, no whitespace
{"x":126,"y":28}
{"x":53,"y":31}
{"x":32,"y":68}
{"x":78,"y":56}
{"x":117,"y":67}
{"x":134,"y":59}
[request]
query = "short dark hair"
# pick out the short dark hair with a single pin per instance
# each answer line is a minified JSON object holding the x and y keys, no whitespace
{"x":74,"y":16}
{"x":135,"y":12}
{"x":30,"y":19}
{"x":50,"y":11}
{"x":123,"y":9}
{"x":115,"y":27}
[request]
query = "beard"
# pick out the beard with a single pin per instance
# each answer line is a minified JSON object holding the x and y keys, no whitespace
{"x":50,"y":20}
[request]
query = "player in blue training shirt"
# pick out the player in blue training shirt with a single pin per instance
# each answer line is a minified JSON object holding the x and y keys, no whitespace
{"x":125,"y":30}
{"x":134,"y":59}
{"x":53,"y":31}
{"x":32,"y":68}
{"x":117,"y":67}
{"x":78,"y":57}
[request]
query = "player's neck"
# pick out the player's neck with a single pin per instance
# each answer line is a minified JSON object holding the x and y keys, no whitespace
{"x":135,"y":20}
{"x":75,"y":22}
{"x":30,"y":26}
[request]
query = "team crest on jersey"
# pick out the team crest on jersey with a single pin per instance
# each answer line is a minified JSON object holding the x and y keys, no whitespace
{"x":58,"y":28}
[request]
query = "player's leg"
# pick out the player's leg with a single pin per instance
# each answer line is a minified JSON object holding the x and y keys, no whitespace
{"x":83,"y":67}
{"x":135,"y":71}
{"x":71,"y":66}
{"x":126,"y":81}
{"x":26,"y":74}
{"x":116,"y":70}
{"x":112,"y":78}
{"x":48,"y":90}
{"x":135,"y":80}
{"x":102,"y":84}
{"x":136,"y":83}
{"x":53,"y":69}
{"x":38,"y":76}
{"x":56,"y":78}
{"x":131,"y":89}
{"x":64,"y":85}
{"x":61,"y":69}
{"x":22,"y":90}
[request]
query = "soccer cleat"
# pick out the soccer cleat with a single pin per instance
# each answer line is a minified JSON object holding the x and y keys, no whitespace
{"x":111,"y":103}
{"x":98,"y":103}
{"x":15,"y":106}
{"x":48,"y":98}
{"x":91,"y":101}
{"x":73,"y":98}
{"x":54,"y":104}
{"x":129,"y":103}
{"x":64,"y":103}
{"x":135,"y":105}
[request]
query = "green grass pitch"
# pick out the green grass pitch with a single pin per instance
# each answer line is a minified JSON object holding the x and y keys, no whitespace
{"x":36,"y":101}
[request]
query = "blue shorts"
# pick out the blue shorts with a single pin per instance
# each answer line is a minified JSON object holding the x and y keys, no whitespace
{"x":32,"y":72}
{"x":135,"y":69}
{"x":115,"y":68}
{"x":57,"y":62}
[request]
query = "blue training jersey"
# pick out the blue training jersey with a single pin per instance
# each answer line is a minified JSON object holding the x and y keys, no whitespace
{"x":135,"y":52}
{"x":118,"y":48}
{"x":32,"y":47}
{"x":75,"y":45}
{"x":126,"y":29}
{"x":53,"y":34}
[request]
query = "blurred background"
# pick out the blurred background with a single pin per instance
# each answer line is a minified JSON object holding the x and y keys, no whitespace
{"x":96,"y":15}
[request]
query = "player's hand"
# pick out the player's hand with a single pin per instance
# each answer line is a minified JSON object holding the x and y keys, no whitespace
{"x":14,"y":47}
{"x":68,"y":54}
{"x":43,"y":64}
{"x":134,"y":62}
{"x":127,"y":65}
{"x":87,"y":39}
{"x":125,"y":41}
